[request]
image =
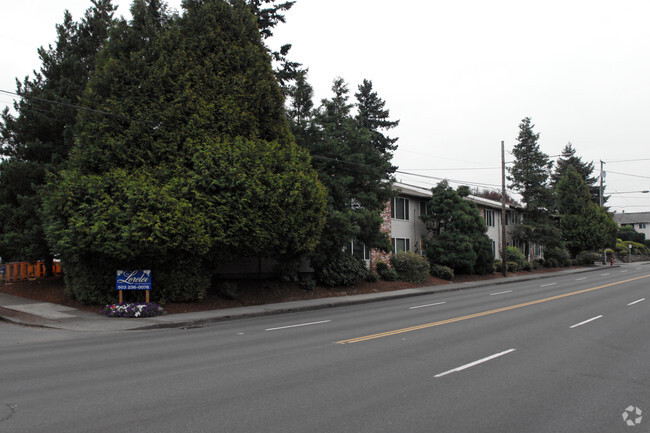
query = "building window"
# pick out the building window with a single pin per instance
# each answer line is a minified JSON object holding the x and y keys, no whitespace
{"x":360,"y":250}
{"x":401,"y":245}
{"x":642,"y":225}
{"x":423,"y":207}
{"x":400,"y":208}
{"x":489,"y":217}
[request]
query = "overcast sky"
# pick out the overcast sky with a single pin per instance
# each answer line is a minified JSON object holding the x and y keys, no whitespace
{"x":459,"y":75}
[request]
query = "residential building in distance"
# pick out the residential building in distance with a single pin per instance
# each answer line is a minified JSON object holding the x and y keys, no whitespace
{"x":640,"y":221}
{"x":406,"y":230}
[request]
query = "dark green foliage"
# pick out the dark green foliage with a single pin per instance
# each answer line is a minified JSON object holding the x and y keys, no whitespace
{"x":228,"y":290}
{"x":584,"y":169}
{"x":443,"y":272}
{"x":584,"y":225}
{"x":514,"y":254}
{"x":588,"y":258}
{"x":529,"y":176}
{"x":343,"y":269}
{"x":498,"y":266}
{"x":410,"y":267}
{"x":372,"y":277}
{"x":556,"y":256}
{"x":647,"y":243}
{"x":38,"y":138}
{"x":386,"y":273}
{"x":456,"y":233}
{"x":513,"y":266}
{"x":352,"y":158}
{"x":307,"y":282}
{"x":200,"y":165}
{"x":627,"y":233}
{"x":527,"y":266}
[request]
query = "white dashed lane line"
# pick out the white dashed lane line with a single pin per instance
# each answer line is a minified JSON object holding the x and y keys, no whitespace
{"x":426,"y":305}
{"x":298,"y":325}
{"x":472,"y":364}
{"x":585,"y":322}
{"x":637,"y":301}
{"x":501,"y":293}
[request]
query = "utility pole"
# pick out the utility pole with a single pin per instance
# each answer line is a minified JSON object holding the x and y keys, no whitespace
{"x":503,"y":211}
{"x":602,"y":174}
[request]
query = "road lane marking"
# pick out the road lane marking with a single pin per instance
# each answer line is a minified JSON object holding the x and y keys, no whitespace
{"x":622,"y":272}
{"x":482,"y":313}
{"x":472,"y":364}
{"x":602,"y":275}
{"x":500,"y":293}
{"x":427,"y":305}
{"x":579,"y":279}
{"x":637,"y":301}
{"x":296,"y":326}
{"x":586,"y":321}
{"x":549,"y":284}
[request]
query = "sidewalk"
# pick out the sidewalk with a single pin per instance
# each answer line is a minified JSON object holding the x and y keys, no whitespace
{"x":28,"y":312}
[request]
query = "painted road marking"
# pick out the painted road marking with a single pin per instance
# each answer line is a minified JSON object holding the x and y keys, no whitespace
{"x":622,"y":272}
{"x":482,"y":313}
{"x":586,"y":321}
{"x":500,"y":293}
{"x":602,"y":275}
{"x":472,"y":364}
{"x":296,"y":326}
{"x":579,"y":279}
{"x":637,"y":301}
{"x":427,"y":305}
{"x":549,"y":284}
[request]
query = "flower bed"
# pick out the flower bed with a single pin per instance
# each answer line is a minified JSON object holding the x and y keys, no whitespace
{"x":133,"y":310}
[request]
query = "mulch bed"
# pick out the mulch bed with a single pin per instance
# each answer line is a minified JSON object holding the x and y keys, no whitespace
{"x":249,"y":292}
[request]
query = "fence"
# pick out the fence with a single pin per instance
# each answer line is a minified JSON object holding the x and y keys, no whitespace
{"x":18,"y":271}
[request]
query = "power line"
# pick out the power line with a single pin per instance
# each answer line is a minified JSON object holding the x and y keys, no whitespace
{"x":78,"y":107}
{"x":626,"y":174}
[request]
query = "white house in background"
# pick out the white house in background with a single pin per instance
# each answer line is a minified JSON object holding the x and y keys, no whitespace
{"x":640,"y":221}
{"x":403,"y":224}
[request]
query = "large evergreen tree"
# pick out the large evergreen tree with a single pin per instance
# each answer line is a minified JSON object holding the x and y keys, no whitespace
{"x":353,"y":168}
{"x":196,"y":167}
{"x":456,"y":232}
{"x":585,"y":169}
{"x":529,"y":176}
{"x":39,"y":136}
{"x":585,"y":226}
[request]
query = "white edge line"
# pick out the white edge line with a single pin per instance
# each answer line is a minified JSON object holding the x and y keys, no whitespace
{"x":501,"y":293}
{"x":472,"y":364}
{"x":295,"y":326}
{"x":586,"y":321}
{"x":427,"y":305}
{"x":583,"y":278}
{"x":549,"y":284}
{"x":637,"y":301}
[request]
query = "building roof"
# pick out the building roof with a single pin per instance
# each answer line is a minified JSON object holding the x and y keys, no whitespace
{"x":632,"y":218}
{"x":417,"y":191}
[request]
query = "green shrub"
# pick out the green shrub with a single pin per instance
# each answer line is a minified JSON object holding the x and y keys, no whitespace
{"x":551,"y":263}
{"x":513,"y":266}
{"x":588,"y":258}
{"x":514,"y":254}
{"x":498,"y":266}
{"x":386,"y":273}
{"x":527,"y":266}
{"x":559,"y":255}
{"x":410,"y":267}
{"x":307,"y":282}
{"x":372,"y":277}
{"x":443,"y":272}
{"x":228,"y":290}
{"x":341,"y":270}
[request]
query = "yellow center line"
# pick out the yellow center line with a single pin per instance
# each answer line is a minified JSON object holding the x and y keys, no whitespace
{"x":481,"y":314}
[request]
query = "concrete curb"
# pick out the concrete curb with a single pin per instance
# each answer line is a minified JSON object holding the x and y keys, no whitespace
{"x":87,"y":321}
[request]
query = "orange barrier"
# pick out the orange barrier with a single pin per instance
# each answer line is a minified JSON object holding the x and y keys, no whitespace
{"x":18,"y":271}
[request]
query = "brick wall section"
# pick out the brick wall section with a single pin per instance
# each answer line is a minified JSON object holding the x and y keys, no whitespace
{"x":377,"y":255}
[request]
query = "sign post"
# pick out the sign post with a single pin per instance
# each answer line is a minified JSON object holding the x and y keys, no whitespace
{"x":133,"y":280}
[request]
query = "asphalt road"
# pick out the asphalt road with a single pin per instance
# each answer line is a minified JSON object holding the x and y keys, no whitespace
{"x":561,"y":354}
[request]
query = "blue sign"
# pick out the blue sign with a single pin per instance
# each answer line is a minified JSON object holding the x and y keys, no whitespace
{"x":133,"y":280}
{"x":2,"y":269}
